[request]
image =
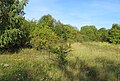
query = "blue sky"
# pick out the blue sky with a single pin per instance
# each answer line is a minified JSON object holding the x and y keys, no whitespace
{"x":101,"y":13}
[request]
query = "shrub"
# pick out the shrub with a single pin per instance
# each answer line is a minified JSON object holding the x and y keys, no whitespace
{"x":61,"y":53}
{"x":12,"y":39}
{"x":114,"y":36}
{"x":43,"y":38}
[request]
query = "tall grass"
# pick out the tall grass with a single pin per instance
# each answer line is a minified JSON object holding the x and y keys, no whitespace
{"x":102,"y":60}
{"x":88,"y":61}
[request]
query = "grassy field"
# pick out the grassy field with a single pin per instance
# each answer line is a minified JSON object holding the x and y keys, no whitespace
{"x":88,"y":61}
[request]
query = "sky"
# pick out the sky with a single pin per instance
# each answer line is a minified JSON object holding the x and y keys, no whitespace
{"x":101,"y":13}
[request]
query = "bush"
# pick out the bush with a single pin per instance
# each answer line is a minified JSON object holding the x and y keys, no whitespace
{"x":12,"y":39}
{"x":89,"y":33}
{"x":114,"y":36}
{"x":43,"y":38}
{"x":61,"y":53}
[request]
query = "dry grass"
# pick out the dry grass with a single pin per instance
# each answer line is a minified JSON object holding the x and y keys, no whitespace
{"x":88,"y":61}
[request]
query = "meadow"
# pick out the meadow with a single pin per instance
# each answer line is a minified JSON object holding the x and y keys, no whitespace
{"x":88,"y":61}
{"x":47,"y":49}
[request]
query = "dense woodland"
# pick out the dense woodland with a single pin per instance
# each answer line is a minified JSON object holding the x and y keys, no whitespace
{"x":49,"y":50}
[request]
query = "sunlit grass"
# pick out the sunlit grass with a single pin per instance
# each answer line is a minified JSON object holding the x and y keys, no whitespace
{"x":88,"y":61}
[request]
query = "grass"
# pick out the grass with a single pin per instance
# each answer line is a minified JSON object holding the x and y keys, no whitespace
{"x":88,"y":61}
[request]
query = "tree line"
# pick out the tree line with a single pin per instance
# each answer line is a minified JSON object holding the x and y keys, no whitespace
{"x":16,"y":32}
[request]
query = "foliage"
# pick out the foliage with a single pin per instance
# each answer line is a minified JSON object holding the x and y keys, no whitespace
{"x":65,"y":32}
{"x":16,"y":75}
{"x":11,"y":13}
{"x":87,"y":62}
{"x":46,"y":20}
{"x":12,"y":38}
{"x":114,"y":34}
{"x":115,"y":26}
{"x":90,"y":32}
{"x":43,"y":38}
{"x":11,"y":18}
{"x":102,"y":35}
{"x":52,"y":35}
{"x":72,"y":33}
{"x":61,"y":31}
{"x":28,"y":27}
{"x":61,"y":52}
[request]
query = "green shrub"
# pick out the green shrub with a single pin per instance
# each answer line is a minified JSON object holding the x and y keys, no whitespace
{"x":89,"y":33}
{"x":114,"y":36}
{"x":43,"y":38}
{"x":12,"y":39}
{"x":61,"y":53}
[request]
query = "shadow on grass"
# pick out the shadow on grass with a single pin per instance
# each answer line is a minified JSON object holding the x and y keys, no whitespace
{"x":80,"y":71}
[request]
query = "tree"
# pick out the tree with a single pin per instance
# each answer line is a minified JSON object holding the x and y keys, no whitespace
{"x":116,"y":26}
{"x":11,"y":18}
{"x":28,"y":27}
{"x":114,"y":34}
{"x":61,"y":31}
{"x":89,"y":33}
{"x":72,"y":33}
{"x":46,"y":20}
{"x":43,"y":38}
{"x":102,"y":35}
{"x":11,"y":13}
{"x":12,"y":39}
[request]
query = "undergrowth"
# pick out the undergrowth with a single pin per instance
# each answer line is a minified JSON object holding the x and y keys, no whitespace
{"x":86,"y":62}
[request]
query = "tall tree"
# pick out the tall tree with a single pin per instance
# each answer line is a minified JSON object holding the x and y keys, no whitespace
{"x":11,"y":13}
{"x":11,"y":18}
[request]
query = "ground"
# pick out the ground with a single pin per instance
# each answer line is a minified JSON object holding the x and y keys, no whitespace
{"x":88,"y":61}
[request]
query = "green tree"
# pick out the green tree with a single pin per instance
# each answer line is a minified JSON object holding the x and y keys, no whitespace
{"x":43,"y":38}
{"x":11,"y":19}
{"x":116,"y":26}
{"x":114,"y":34}
{"x":61,"y":31}
{"x":46,"y":20}
{"x":12,"y":39}
{"x":72,"y":33}
{"x":89,"y":33}
{"x":64,"y":32}
{"x":28,"y":27}
{"x":102,"y":35}
{"x":11,"y":13}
